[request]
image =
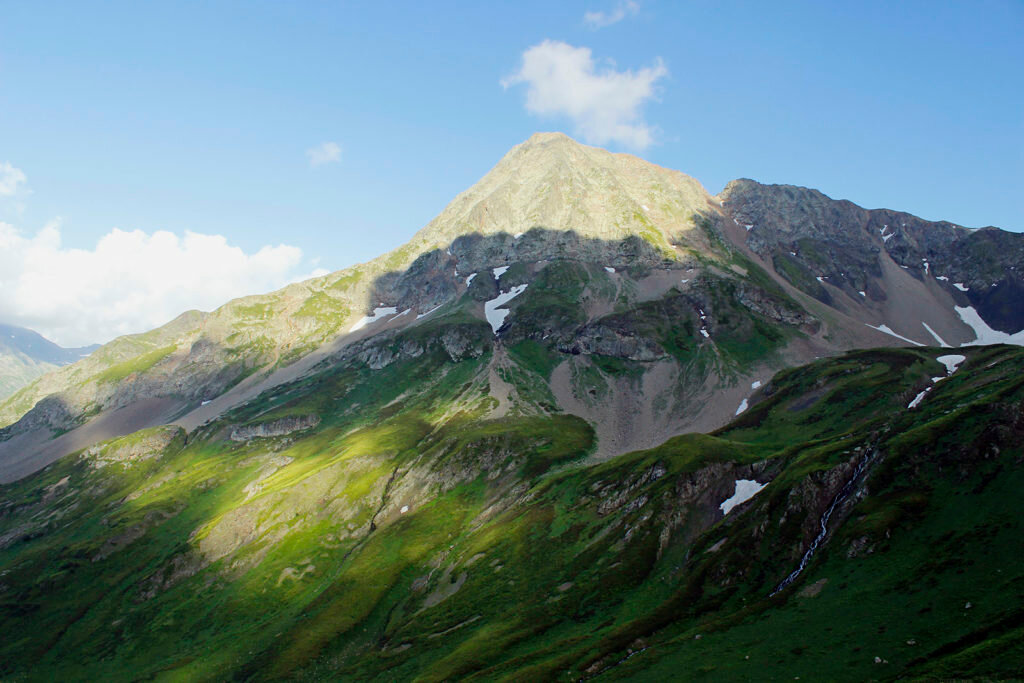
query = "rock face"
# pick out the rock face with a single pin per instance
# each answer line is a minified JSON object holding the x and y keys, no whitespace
{"x":282,"y":427}
{"x":807,"y":235}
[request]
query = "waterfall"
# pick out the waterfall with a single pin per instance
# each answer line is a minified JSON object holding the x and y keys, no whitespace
{"x":843,"y":494}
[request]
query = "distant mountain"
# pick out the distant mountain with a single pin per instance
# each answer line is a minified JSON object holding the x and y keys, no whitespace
{"x":590,"y":421}
{"x":25,"y":355}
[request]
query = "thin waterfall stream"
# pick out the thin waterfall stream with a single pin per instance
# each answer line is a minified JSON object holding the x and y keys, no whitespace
{"x":843,"y":494}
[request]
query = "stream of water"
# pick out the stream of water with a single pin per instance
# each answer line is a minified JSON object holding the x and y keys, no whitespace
{"x":843,"y":494}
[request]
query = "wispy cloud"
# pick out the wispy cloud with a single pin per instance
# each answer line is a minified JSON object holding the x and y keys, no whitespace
{"x":130,"y":281}
{"x":10,"y":179}
{"x":600,"y":19}
{"x":324,"y":153}
{"x":604,"y":104}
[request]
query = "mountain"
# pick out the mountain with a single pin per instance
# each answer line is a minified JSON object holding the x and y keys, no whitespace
{"x":25,"y":355}
{"x":560,"y":217}
{"x":591,"y":420}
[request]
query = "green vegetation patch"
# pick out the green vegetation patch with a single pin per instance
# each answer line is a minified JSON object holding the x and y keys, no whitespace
{"x":140,"y":363}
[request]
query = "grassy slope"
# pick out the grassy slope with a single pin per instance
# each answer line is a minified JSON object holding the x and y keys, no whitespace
{"x":491,"y":578}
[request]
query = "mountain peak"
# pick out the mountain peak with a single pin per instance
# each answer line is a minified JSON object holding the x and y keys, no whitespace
{"x":549,"y":138}
{"x":551,"y":181}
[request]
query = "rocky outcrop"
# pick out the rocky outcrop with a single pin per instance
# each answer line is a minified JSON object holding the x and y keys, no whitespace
{"x":282,"y":427}
{"x":756,"y":300}
{"x":137,"y":447}
{"x":619,"y":343}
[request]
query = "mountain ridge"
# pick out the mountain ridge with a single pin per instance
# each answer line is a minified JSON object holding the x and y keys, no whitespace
{"x":818,"y":256}
{"x":26,"y":354}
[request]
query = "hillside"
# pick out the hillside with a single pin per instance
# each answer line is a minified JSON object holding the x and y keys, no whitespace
{"x":414,"y":538}
{"x":590,"y":422}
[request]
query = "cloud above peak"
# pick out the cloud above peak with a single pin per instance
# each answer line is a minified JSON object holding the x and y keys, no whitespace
{"x":130,"y":281}
{"x":603,"y":104}
{"x":600,"y":19}
{"x":324,"y":153}
{"x":11,"y":178}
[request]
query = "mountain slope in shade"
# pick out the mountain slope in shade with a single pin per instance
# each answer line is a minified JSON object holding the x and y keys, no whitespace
{"x":25,"y":355}
{"x":364,"y":524}
{"x":632,"y":298}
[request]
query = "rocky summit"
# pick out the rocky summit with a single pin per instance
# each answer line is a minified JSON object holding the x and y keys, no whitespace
{"x":591,"y":421}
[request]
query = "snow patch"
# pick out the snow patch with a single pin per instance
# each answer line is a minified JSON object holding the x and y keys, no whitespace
{"x":983,"y":333}
{"x":705,"y":333}
{"x":942,"y":277}
{"x":644,"y":207}
{"x":470,"y":279}
{"x":499,"y":271}
{"x":934,"y":334}
{"x":885,"y":328}
{"x":405,"y":508}
{"x":748,"y":227}
{"x":952,"y":362}
{"x":743,"y":406}
{"x":862,"y":294}
{"x":756,"y":384}
{"x":918,"y":398}
{"x":203,"y":403}
{"x":745,"y":490}
{"x":495,"y":315}
{"x":518,"y":235}
{"x":378,"y":313}
{"x":609,"y":269}
{"x":960,"y":286}
{"x":424,"y":315}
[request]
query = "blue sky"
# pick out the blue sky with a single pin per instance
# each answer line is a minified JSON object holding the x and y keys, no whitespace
{"x":199,"y":116}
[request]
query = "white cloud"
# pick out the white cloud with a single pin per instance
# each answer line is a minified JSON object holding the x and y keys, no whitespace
{"x":604,"y":105}
{"x":10,"y":178}
{"x":324,"y":153}
{"x":131,"y":281}
{"x":601,"y":19}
